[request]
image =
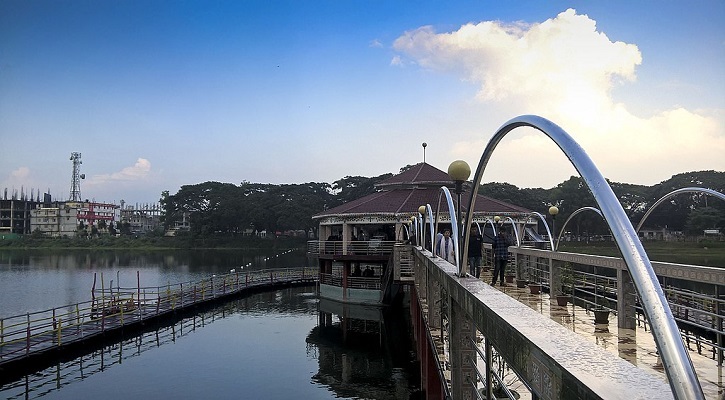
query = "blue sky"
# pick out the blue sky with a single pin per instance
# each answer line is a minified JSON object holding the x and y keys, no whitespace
{"x":160,"y":94}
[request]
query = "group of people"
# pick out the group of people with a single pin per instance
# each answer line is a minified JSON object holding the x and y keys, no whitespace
{"x":446,"y":250}
{"x":359,"y":272}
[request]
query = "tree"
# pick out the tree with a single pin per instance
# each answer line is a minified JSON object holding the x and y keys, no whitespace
{"x":704,"y":218}
{"x":354,"y":187}
{"x":124,"y":228}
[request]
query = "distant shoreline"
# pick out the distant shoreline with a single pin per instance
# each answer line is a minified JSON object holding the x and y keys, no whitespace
{"x":151,"y":243}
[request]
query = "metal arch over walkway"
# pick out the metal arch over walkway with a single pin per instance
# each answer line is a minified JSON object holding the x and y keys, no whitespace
{"x":678,"y":366}
{"x":676,"y":192}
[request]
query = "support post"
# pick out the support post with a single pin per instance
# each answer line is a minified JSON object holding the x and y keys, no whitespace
{"x":461,"y":350}
{"x":626,"y":296}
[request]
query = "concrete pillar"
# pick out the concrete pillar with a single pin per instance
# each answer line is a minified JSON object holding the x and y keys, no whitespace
{"x":462,"y":353}
{"x":421,"y":276}
{"x":554,"y":279}
{"x":625,"y":300}
{"x":346,"y":236}
{"x":434,"y":304}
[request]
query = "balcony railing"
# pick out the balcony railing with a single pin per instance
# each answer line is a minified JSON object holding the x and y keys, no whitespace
{"x":364,"y":248}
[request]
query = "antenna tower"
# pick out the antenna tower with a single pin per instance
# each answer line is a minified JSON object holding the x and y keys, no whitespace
{"x":75,"y":183}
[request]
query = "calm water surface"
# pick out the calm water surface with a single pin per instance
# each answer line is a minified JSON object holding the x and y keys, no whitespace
{"x":272,"y":345}
{"x":34,"y":280}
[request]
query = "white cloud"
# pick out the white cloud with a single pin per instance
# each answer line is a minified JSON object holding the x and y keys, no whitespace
{"x":20,"y":173}
{"x":564,"y":69}
{"x":376,"y":43}
{"x":137,"y":172}
{"x":19,"y":182}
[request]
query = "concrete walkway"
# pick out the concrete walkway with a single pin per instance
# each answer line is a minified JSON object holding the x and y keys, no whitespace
{"x":636,"y":346}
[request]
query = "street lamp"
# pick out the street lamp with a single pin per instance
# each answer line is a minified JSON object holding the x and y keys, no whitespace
{"x":414,"y":227}
{"x":553,"y":210}
{"x":459,"y":171}
{"x":422,"y":210}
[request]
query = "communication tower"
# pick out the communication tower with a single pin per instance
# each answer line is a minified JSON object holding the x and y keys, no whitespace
{"x":75,"y":183}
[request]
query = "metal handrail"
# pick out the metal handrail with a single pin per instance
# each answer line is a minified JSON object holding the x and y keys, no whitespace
{"x":359,"y":247}
{"x":49,"y":328}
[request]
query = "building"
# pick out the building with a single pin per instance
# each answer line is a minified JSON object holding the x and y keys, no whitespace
{"x":362,"y":234}
{"x":141,"y":219}
{"x":15,"y":216}
{"x":55,"y":221}
{"x":179,"y":226}
{"x":91,"y":213}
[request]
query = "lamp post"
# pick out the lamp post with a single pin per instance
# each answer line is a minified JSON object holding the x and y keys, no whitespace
{"x":422,"y":210}
{"x":459,"y":171}
{"x":414,"y":228}
{"x":553,"y":210}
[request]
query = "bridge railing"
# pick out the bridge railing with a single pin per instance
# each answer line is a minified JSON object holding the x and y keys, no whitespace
{"x":484,"y":332}
{"x":110,"y":355}
{"x":110,"y":308}
{"x":355,"y":247}
{"x":694,"y":293}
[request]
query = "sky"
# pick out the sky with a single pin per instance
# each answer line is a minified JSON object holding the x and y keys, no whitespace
{"x":160,"y":94}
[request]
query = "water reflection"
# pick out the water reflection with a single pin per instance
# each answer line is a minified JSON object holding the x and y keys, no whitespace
{"x":360,"y":354}
{"x":243,"y":348}
{"x":66,"y":276}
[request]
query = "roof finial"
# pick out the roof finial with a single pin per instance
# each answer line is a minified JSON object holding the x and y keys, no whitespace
{"x":424,"y":146}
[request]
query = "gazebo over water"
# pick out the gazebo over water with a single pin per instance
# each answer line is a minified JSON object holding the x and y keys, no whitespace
{"x":382,"y":215}
{"x":357,"y":239}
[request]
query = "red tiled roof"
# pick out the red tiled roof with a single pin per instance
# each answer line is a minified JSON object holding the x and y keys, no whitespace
{"x":418,"y":174}
{"x":419,"y":185}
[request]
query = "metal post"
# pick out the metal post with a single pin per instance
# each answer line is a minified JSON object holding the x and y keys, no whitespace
{"x":27,"y":341}
{"x":489,"y":358}
{"x":718,"y":312}
{"x":461,"y":256}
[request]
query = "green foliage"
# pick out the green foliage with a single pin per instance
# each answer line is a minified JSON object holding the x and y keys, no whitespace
{"x":567,"y":278}
{"x":223,"y":208}
{"x":704,"y":218}
{"x":691,"y":212}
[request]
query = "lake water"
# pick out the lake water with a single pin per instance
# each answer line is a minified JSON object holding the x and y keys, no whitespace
{"x":272,"y":345}
{"x":34,"y":280}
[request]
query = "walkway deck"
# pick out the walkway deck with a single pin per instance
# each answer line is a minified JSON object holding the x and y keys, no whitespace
{"x":640,"y":352}
{"x":23,"y":338}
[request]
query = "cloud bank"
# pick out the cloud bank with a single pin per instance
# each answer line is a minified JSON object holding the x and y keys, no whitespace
{"x":137,"y":172}
{"x":564,"y":69}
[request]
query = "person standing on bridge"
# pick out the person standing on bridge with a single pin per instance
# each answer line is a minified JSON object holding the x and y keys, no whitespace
{"x":500,"y":256}
{"x":475,"y":246}
{"x":446,"y":247}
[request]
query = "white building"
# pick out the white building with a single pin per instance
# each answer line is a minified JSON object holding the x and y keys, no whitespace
{"x":54,"y":221}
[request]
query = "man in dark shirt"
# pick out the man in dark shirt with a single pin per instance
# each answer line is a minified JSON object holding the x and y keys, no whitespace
{"x":475,"y":245}
{"x":500,"y":255}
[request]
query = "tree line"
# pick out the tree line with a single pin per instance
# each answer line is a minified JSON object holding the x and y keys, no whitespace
{"x":226,"y":208}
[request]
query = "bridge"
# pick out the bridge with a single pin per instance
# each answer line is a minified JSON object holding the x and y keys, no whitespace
{"x":551,"y":362}
{"x":471,"y":336}
{"x":29,"y":338}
